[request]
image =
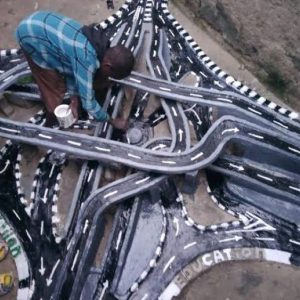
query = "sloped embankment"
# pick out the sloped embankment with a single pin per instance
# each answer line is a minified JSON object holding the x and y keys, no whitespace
{"x":264,"y":32}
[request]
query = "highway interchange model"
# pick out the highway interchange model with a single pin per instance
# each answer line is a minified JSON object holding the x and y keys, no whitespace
{"x":248,"y":146}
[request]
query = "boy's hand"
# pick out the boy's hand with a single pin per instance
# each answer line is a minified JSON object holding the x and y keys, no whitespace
{"x":74,"y":105}
{"x":119,"y":123}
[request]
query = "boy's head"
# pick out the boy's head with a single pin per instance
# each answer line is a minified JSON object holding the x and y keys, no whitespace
{"x":117,"y":62}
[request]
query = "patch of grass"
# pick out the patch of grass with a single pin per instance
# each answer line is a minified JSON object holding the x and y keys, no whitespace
{"x":25,"y":80}
{"x":277,"y":82}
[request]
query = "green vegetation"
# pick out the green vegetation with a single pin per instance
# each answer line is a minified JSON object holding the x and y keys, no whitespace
{"x":276,"y":82}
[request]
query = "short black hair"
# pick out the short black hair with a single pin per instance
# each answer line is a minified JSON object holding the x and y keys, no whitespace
{"x":121,"y":59}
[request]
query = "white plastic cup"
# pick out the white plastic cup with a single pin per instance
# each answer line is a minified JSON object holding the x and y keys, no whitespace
{"x":64,"y":115}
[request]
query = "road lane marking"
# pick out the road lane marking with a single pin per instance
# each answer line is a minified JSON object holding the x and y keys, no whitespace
{"x":196,"y":95}
{"x":265,"y":239}
{"x":294,"y":150}
{"x":45,"y":136}
{"x":110,"y":194}
{"x":142,"y":180}
{"x":16,"y":214}
{"x":189,"y":245}
{"x":74,"y":143}
{"x":196,"y":156}
{"x":167,"y":265}
{"x":90,"y":175}
{"x":135,"y":80}
{"x":255,"y":111}
{"x":294,"y":242}
{"x":294,"y":188}
{"x":265,"y":177}
{"x":164,"y":89}
{"x":203,"y":74}
{"x":170,"y":162}
{"x":10,"y":130}
{"x":224,"y":99}
{"x":103,"y":149}
{"x":174,"y":111}
{"x":280,"y":124}
{"x":189,"y":59}
{"x":75,"y":260}
{"x":256,"y":136}
{"x":134,"y":156}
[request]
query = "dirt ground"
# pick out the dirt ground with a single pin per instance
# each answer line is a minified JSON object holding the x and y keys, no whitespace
{"x":228,"y":281}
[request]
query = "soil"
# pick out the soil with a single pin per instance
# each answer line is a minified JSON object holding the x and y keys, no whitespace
{"x":263,"y":34}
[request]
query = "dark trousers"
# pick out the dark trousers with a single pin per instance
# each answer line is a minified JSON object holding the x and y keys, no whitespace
{"x":52,"y":88}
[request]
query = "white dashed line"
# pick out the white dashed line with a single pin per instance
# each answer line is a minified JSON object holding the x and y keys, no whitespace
{"x":189,"y":59}
{"x":86,"y":225}
{"x":14,"y":60}
{"x":6,"y":79}
{"x":10,"y":130}
{"x":225,"y":100}
{"x":75,"y":260}
{"x":160,"y":146}
{"x":42,"y":228}
{"x":265,"y":177}
{"x":134,"y":156}
{"x":29,"y":236}
{"x":158,"y":69}
{"x":119,"y":240}
{"x":74,"y":143}
{"x":135,"y":80}
{"x":45,"y":136}
{"x":142,"y":180}
{"x":203,"y":74}
{"x":110,"y":194}
{"x":145,"y":297}
{"x":118,"y":24}
{"x":265,"y":239}
{"x":16,"y":214}
{"x":105,"y":126}
{"x":164,"y":89}
{"x":294,"y":242}
{"x":189,"y":245}
{"x":103,"y":149}
{"x":90,"y":175}
{"x":112,"y":100}
{"x":172,"y":32}
{"x":170,"y":162}
{"x":162,"y":19}
{"x":294,"y":188}
{"x":196,"y":95}
{"x":168,"y":264}
{"x":256,"y":136}
{"x":174,"y":111}
{"x":197,"y":156}
{"x":5,"y":167}
{"x":255,"y":111}
{"x":280,"y":124}
{"x":294,"y":150}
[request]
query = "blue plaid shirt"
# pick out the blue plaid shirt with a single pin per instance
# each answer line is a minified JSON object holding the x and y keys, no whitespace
{"x":55,"y":42}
